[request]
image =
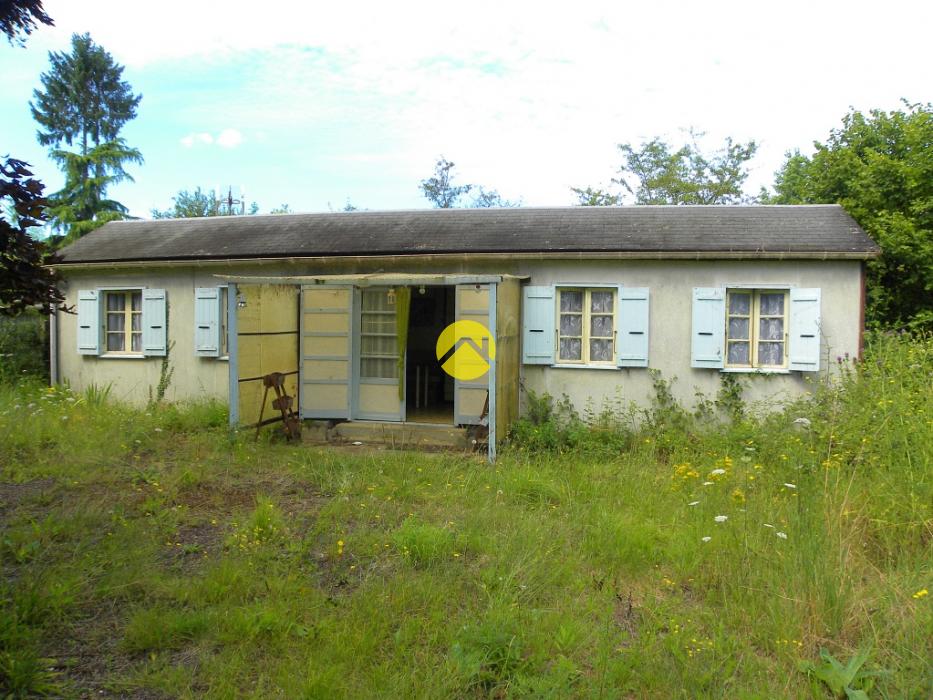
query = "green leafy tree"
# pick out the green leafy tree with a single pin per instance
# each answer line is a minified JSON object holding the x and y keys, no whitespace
{"x":198,"y":204}
{"x":19,"y":18}
{"x":440,"y":190}
{"x":879,"y":166}
{"x":85,"y":103}
{"x":655,"y":173}
{"x":25,"y":282}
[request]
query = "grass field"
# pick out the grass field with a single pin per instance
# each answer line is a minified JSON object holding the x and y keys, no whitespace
{"x":153,"y":554}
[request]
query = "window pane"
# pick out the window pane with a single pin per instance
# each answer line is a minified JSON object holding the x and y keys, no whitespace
{"x":373,"y":323}
{"x":116,"y":321}
{"x":115,"y":302}
{"x":772,"y":304}
{"x":376,"y":300}
{"x":571,"y":301}
{"x":137,"y":322}
{"x":738,"y":354}
{"x":571,"y":349}
{"x":771,"y":329}
{"x":601,"y":326}
{"x":771,"y":353}
{"x":571,"y":324}
{"x":740,"y":304}
{"x":379,"y":368}
{"x":137,"y":301}
{"x":600,"y":350}
{"x":601,"y":302}
{"x":377,"y":345}
{"x":115,"y":342}
{"x":738,"y":328}
{"x":137,"y":342}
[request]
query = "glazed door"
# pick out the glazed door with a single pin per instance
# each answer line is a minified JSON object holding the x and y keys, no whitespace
{"x":379,"y":374}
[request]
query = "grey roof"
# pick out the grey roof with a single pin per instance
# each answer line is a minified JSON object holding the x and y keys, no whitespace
{"x":766,"y":231}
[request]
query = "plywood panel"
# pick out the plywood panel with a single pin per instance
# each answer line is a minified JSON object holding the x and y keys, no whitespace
{"x":472,"y":299}
{"x":331,"y":370}
{"x":471,"y":400}
{"x":327,"y":322}
{"x":326,"y":298}
{"x":321,"y":398}
{"x":508,"y":354}
{"x":325,"y":345}
{"x":379,"y":398}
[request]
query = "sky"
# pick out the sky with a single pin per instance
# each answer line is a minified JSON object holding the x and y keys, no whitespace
{"x":315,"y":104}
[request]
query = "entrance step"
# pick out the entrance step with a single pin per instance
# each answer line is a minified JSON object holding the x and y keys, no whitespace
{"x":394,"y":435}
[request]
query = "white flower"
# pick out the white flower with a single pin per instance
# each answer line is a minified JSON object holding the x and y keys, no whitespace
{"x":693,"y":503}
{"x":707,"y":483}
{"x":782,"y":535}
{"x":717,"y":472}
{"x":706,"y":539}
{"x":721,"y":518}
{"x":769,"y":525}
{"x":158,"y":430}
{"x":803,"y":422}
{"x":790,"y":486}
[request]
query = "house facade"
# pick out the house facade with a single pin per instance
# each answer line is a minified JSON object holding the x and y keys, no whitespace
{"x":352,"y":306}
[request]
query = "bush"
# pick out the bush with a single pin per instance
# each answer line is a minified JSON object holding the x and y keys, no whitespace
{"x":24,"y":347}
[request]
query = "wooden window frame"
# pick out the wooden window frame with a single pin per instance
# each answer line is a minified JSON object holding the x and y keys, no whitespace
{"x":128,"y":313}
{"x":585,"y":338}
{"x":754,"y":317}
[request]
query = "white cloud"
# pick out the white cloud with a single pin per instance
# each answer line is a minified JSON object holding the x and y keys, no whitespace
{"x":229,"y":138}
{"x":201,"y":137}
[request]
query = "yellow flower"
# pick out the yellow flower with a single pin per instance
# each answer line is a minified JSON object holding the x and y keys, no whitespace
{"x":340,"y":543}
{"x":921,"y":593}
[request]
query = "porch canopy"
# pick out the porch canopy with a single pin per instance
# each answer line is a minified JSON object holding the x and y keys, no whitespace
{"x":307,"y":326}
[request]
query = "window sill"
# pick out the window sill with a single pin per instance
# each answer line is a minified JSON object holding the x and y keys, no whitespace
{"x":571,"y":366}
{"x":754,"y":370}
{"x":112,"y":356}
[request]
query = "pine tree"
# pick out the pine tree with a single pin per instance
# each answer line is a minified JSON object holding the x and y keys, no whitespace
{"x":85,"y":102}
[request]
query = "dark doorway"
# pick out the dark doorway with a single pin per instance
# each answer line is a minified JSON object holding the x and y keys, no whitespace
{"x":429,"y":391}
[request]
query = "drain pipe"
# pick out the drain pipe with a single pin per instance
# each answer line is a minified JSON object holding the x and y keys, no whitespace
{"x":53,"y":347}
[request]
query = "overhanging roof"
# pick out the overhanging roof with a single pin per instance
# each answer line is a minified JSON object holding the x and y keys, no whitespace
{"x":816,"y":231}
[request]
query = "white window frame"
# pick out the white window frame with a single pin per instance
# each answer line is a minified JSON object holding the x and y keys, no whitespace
{"x":128,"y":314}
{"x":585,"y":338}
{"x":754,"y":317}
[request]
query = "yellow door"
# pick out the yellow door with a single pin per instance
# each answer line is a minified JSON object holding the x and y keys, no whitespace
{"x":326,"y":323}
{"x":470,"y":396}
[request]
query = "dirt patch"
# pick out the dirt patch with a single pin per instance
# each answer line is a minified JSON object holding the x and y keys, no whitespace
{"x":191,"y":544}
{"x":13,"y":495}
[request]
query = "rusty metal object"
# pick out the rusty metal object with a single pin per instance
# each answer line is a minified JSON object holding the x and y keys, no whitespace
{"x":282,"y":403}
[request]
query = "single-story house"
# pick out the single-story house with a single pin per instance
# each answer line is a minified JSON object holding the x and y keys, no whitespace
{"x":578,"y":301}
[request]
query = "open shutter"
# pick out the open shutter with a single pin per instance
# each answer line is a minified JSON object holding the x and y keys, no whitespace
{"x":804,"y":341}
{"x":207,"y":322}
{"x":538,"y":325}
{"x":708,"y":336}
{"x":88,"y":322}
{"x":154,"y":322}
{"x":632,"y":327}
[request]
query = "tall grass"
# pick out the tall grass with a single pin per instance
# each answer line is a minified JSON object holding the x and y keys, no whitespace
{"x":650,"y":552}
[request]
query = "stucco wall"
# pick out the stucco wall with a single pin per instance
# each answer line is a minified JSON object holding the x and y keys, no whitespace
{"x":670,"y":284}
{"x":132,"y":378}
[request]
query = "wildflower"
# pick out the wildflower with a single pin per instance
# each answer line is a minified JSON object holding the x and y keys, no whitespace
{"x":707,"y":483}
{"x":717,"y":472}
{"x":721,"y":518}
{"x":738,"y":496}
{"x":790,"y":486}
{"x":921,"y":593}
{"x":782,"y":535}
{"x":769,"y":525}
{"x":693,"y":503}
{"x":705,"y":539}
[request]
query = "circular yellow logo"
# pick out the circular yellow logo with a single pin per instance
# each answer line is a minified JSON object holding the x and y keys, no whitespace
{"x":465,"y":350}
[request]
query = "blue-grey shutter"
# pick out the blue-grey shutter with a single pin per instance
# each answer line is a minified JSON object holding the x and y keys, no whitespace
{"x":804,"y":335}
{"x":207,"y":323}
{"x":154,"y":322}
{"x":632,"y":327}
{"x":708,"y":337}
{"x":88,"y":322}
{"x":538,"y":327}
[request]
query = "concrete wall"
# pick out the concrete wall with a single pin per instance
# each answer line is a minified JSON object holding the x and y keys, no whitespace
{"x":670,"y":284}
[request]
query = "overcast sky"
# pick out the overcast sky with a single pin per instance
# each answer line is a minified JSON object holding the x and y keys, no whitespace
{"x":313,"y":103}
